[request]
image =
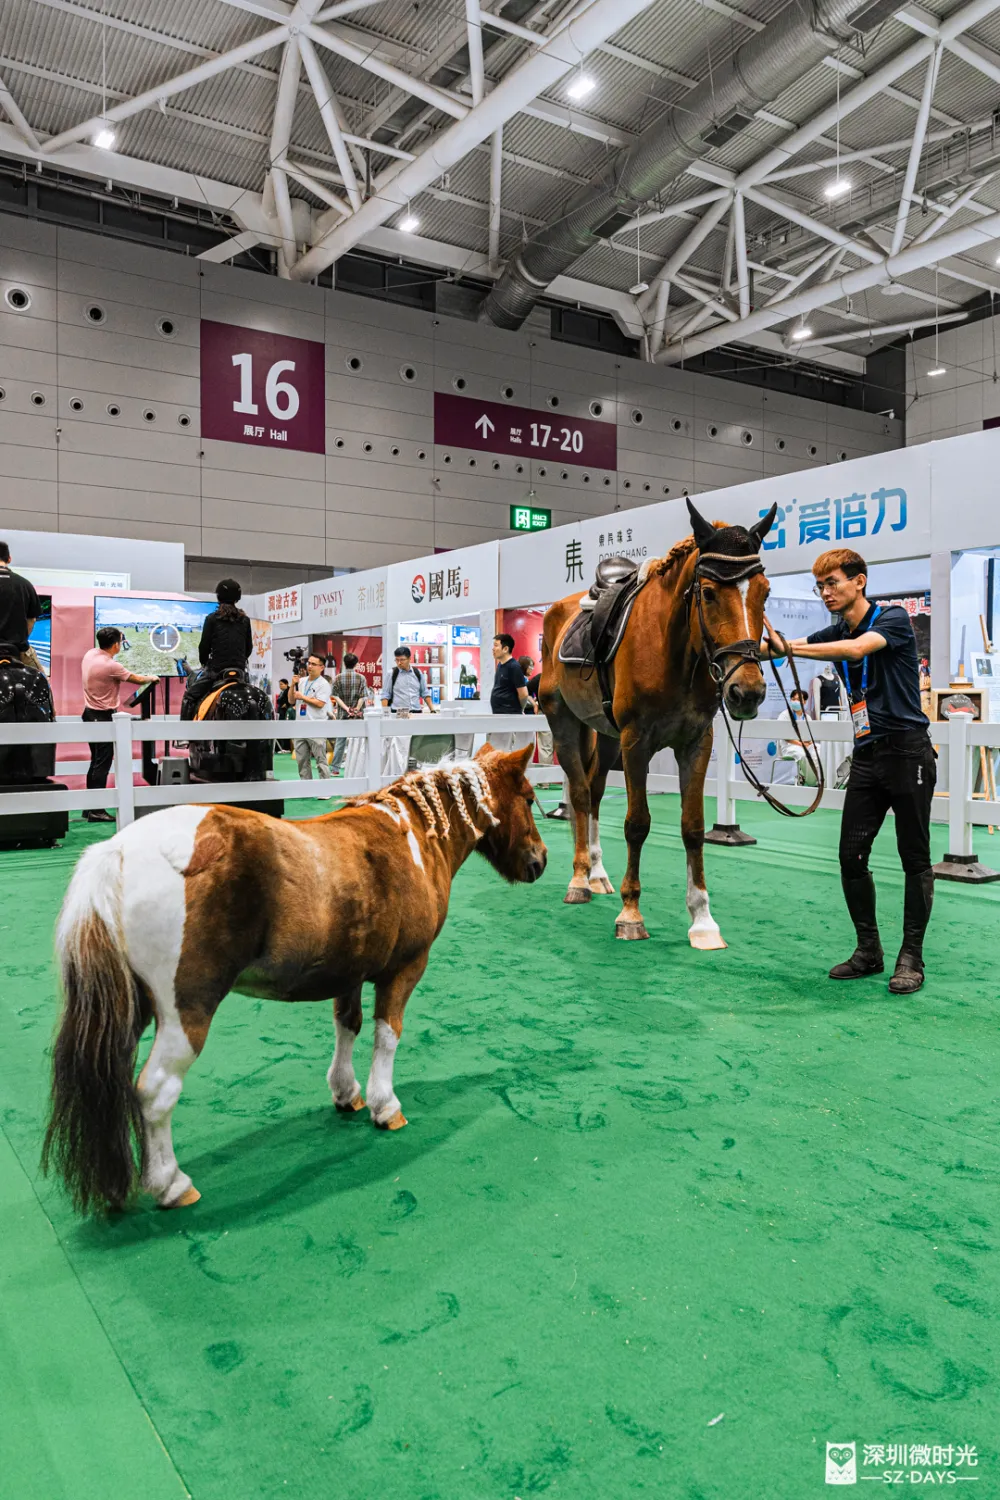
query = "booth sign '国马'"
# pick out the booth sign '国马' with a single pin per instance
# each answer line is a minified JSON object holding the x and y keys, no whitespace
{"x":266,"y":389}
{"x":496,"y":427}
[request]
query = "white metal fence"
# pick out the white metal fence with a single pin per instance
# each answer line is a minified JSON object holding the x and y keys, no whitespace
{"x":959,"y":744}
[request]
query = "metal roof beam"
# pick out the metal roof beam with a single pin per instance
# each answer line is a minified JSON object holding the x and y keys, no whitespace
{"x":11,"y":109}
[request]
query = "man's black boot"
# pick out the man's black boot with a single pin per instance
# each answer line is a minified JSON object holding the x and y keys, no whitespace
{"x":867,"y":957}
{"x":917,"y":902}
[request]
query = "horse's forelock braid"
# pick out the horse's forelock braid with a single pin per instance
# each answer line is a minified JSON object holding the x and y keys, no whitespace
{"x":430,"y":786}
{"x":456,"y":785}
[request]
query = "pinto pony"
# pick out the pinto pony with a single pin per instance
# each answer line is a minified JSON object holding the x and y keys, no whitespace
{"x":692,"y":641}
{"x":163,"y":920}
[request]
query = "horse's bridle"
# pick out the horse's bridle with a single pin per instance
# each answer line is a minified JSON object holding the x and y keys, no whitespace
{"x":747,"y":652}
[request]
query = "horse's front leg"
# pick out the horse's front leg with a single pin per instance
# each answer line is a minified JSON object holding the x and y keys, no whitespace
{"x":692,"y":764}
{"x":391,"y":996}
{"x":574,"y":744}
{"x":629,"y":925}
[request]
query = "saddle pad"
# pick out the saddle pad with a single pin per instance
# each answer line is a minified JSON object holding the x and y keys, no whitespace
{"x":577,"y":647}
{"x":212,"y":698}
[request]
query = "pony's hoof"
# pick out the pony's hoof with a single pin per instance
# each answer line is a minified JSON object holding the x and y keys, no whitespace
{"x":707,"y":942}
{"x":190,"y":1195}
{"x":602,"y":886}
{"x":630,"y":932}
{"x":348,"y":1109}
{"x":576,"y":895}
{"x":397,"y":1122}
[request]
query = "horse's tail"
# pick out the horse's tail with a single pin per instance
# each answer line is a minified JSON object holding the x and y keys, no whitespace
{"x":95,"y":1123}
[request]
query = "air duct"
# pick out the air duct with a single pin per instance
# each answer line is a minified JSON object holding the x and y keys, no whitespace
{"x":760,"y":70}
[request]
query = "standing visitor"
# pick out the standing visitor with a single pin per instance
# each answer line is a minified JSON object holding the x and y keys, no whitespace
{"x":349,"y":690}
{"x":283,"y":710}
{"x":543,"y":737}
{"x":510,"y":692}
{"x":311,"y":696}
{"x":893,"y":764}
{"x":102,"y":678}
{"x":19,"y":609}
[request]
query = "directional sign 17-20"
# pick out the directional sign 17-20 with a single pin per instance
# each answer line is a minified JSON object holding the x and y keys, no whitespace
{"x":496,"y":427}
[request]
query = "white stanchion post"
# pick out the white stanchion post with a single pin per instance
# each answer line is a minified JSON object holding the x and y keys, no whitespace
{"x":124,"y":782}
{"x":725,"y":830}
{"x":960,"y":862}
{"x":373,"y":764}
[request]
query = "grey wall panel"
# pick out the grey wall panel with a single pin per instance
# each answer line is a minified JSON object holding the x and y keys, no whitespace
{"x":21,"y":461}
{"x":30,"y":519}
{"x":263,"y":489}
{"x":297,"y":520}
{"x":24,"y":494}
{"x":26,"y":330}
{"x":370,"y":498}
{"x":272,"y":545}
{"x":172,"y":507}
{"x":278,"y":462}
{"x":190,"y":537}
{"x":408,"y":532}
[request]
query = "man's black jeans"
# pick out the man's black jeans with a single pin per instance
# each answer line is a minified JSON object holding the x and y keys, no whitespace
{"x":101,"y":755}
{"x":897,"y":771}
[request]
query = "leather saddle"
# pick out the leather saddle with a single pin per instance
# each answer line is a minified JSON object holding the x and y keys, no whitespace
{"x":596,"y":632}
{"x":230,"y":677}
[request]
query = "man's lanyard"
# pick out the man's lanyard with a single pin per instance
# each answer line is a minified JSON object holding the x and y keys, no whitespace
{"x":845,"y":669}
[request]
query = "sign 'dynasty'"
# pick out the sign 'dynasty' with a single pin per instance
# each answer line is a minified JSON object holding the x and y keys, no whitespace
{"x":267,"y":389}
{"x":496,"y":427}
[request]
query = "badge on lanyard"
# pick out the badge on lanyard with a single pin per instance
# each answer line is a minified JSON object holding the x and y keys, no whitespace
{"x":859,"y":701}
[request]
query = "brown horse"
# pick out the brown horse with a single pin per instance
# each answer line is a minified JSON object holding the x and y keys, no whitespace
{"x":167,"y":917}
{"x":692,"y":640}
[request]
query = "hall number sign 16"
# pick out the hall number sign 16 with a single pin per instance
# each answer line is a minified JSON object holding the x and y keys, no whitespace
{"x":266,"y":389}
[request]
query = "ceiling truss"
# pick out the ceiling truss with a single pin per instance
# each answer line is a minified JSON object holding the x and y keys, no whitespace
{"x":417,"y":115}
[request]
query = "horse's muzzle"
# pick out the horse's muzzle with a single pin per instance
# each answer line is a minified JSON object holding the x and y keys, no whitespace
{"x":534,"y":867}
{"x":743,"y":700}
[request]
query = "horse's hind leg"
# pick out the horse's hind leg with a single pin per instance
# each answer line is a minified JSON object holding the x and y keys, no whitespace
{"x":344,"y":1087}
{"x":391,"y":996}
{"x":608,"y":753}
{"x":179,"y":1039}
{"x":692,"y":763}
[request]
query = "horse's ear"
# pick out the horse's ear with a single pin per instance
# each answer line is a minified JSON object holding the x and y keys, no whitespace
{"x":760,"y":528}
{"x":703,"y":530}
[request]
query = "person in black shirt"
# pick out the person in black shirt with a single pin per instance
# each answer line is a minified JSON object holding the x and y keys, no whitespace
{"x":226,"y":642}
{"x":893,"y":763}
{"x":510,"y":690}
{"x":19,"y":609}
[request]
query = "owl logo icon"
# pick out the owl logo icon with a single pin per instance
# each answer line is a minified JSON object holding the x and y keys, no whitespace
{"x":841,"y":1463}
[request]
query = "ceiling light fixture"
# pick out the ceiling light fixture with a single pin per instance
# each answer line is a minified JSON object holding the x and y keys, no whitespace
{"x":837,"y":188}
{"x":802,"y":332}
{"x":941,"y":370}
{"x":410,"y":224}
{"x":104,"y":138}
{"x":638,"y":289}
{"x":582,"y":86}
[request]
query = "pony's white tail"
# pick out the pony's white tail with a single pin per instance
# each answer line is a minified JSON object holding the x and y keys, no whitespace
{"x":95,"y":1124}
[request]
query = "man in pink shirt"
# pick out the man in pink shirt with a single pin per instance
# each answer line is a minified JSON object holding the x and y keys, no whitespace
{"x":102,"y":679}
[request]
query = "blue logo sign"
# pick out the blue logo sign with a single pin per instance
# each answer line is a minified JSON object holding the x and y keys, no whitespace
{"x":846,"y":518}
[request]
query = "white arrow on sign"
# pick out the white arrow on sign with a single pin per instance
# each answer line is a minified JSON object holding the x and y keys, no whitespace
{"x":486,"y":425}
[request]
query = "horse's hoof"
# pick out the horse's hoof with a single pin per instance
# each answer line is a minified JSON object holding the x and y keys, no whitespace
{"x":576,"y":895}
{"x":348,"y":1109}
{"x":397,"y":1122}
{"x":707,"y":942}
{"x":190,"y":1195}
{"x":631,"y":932}
{"x":602,"y":887}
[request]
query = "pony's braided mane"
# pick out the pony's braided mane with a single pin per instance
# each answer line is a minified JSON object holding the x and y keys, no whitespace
{"x":421,"y":791}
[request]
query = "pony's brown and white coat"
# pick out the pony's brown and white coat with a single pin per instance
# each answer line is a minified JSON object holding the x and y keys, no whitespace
{"x":167,"y":917}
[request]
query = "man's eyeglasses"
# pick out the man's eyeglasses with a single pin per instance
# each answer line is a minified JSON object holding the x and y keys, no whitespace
{"x":828,"y":586}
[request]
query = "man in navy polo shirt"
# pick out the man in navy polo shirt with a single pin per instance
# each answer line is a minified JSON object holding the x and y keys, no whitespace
{"x":893,"y":766}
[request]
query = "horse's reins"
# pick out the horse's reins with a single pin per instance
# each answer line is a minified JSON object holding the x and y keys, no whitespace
{"x":747,"y":652}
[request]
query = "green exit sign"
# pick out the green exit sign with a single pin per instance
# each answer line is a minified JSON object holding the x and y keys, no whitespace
{"x":529,"y":518}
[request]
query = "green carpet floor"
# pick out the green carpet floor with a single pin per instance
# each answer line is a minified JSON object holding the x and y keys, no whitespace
{"x":662,"y":1223}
